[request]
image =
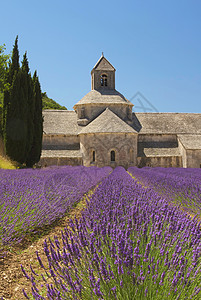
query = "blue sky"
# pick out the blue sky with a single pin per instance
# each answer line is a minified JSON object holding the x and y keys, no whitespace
{"x":154,"y":45}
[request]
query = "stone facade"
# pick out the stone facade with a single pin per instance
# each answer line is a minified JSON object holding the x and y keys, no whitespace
{"x":102,"y":130}
{"x":124,"y":146}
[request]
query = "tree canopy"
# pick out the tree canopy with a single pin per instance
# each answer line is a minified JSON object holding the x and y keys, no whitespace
{"x":22,"y":109}
{"x":4,"y":60}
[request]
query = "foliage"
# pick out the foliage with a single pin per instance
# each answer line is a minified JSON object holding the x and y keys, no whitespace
{"x":178,"y":185}
{"x":20,"y":113}
{"x":32,"y":198}
{"x":6,"y":163}
{"x":3,"y":66}
{"x":130,"y":243}
{"x":48,"y":103}
{"x":36,"y":147}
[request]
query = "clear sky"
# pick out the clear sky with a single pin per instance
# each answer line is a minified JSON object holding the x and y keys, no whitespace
{"x":154,"y":45}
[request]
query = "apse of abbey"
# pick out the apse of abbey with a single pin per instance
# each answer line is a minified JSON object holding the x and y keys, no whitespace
{"x":103,"y":130}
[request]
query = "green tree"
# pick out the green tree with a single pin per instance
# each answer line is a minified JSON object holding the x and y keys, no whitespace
{"x":14,"y":65}
{"x":22,"y":112}
{"x":3,"y":66}
{"x":35,"y":152}
{"x":28,"y":109}
{"x":15,"y":110}
{"x":3,"y":69}
{"x":15,"y":129}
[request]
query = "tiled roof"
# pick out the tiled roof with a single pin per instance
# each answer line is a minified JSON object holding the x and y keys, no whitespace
{"x":107,"y":122}
{"x":65,"y":122}
{"x":103,"y":96}
{"x":103,"y":64}
{"x":167,"y":123}
{"x":60,"y":122}
{"x":190,"y":142}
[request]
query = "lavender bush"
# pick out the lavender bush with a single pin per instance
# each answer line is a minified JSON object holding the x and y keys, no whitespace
{"x":130,"y":243}
{"x":34,"y":198}
{"x":179,"y":185}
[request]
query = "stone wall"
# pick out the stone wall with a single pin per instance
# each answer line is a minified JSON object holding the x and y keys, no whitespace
{"x":164,"y":162}
{"x":92,"y":111}
{"x":162,"y":138}
{"x":124,"y":145}
{"x":96,"y":79}
{"x":59,"y":161}
{"x":193,"y":158}
{"x":183,"y":154}
{"x":59,"y":142}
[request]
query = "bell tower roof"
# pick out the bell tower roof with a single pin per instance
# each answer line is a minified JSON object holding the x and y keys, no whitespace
{"x":103,"y":64}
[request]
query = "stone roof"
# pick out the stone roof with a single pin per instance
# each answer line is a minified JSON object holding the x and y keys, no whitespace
{"x":103,"y":96}
{"x":190,"y":142}
{"x":103,"y":64}
{"x":167,"y":123}
{"x":61,"y":153}
{"x":60,"y":122}
{"x":107,"y":122}
{"x":65,"y":122}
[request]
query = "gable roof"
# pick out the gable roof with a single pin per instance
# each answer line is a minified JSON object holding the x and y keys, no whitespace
{"x":190,"y":142}
{"x":107,"y":122}
{"x":60,"y":122}
{"x":65,"y":122}
{"x":167,"y":123}
{"x":103,"y":96}
{"x":103,"y":64}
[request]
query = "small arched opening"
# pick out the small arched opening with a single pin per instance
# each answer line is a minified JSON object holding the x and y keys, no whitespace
{"x":103,"y":80}
{"x":112,"y":155}
{"x":93,"y":156}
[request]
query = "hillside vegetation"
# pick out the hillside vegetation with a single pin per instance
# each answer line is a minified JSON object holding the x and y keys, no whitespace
{"x":48,"y":103}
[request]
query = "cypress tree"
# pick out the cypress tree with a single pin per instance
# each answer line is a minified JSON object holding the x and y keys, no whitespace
{"x":14,"y":65}
{"x":22,"y":112}
{"x":12,"y":69}
{"x":35,"y":152}
{"x":15,"y":110}
{"x":15,"y":121}
{"x":29,"y":105}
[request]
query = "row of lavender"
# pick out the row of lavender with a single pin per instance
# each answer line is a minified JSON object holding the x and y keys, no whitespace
{"x":34,"y":198}
{"x":129,"y":244}
{"x":179,"y":185}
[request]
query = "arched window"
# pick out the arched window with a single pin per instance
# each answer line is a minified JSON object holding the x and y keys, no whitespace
{"x":93,"y":156}
{"x":112,"y":155}
{"x":103,"y":80}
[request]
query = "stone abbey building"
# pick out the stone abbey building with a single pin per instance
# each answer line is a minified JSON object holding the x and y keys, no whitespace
{"x":102,"y":130}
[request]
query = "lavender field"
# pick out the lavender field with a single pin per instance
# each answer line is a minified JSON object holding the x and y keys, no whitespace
{"x":136,"y":239}
{"x":177,"y":185}
{"x":30,"y":199}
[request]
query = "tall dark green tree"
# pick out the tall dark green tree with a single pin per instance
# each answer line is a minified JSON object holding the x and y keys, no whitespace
{"x":14,"y":123}
{"x":8,"y":80}
{"x":22,"y":112}
{"x":28,"y":109}
{"x":35,"y":152}
{"x":14,"y":65}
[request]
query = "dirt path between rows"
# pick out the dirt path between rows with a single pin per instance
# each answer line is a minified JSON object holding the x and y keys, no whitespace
{"x":12,"y":280}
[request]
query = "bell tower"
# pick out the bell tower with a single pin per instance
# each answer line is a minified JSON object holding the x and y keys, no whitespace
{"x":103,"y":75}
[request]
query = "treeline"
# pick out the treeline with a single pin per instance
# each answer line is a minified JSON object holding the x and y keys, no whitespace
{"x":22,"y":122}
{"x":48,"y":103}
